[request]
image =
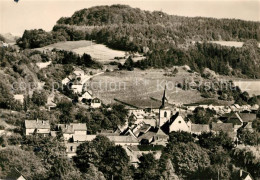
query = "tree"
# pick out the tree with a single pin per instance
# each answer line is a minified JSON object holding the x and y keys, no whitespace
{"x":93,"y":174}
{"x":115,"y":163}
{"x":202,"y":116}
{"x":249,"y":138}
{"x":39,"y":98}
{"x":180,"y":136}
{"x":211,"y":141}
{"x":148,"y":167}
{"x":24,"y":161}
{"x":256,"y":124}
{"x":188,"y":158}
{"x":91,"y":152}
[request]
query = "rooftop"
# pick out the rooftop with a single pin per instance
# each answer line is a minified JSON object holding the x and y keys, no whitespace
{"x":226,"y":127}
{"x":247,"y":117}
{"x":122,"y":139}
{"x":37,"y":124}
{"x":200,"y":128}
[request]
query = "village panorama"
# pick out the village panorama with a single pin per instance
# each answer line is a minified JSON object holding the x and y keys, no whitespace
{"x":121,"y":93}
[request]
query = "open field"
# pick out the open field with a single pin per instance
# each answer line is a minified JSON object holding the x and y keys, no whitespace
{"x":137,"y":87}
{"x":98,"y":52}
{"x":230,"y":43}
{"x":251,"y":86}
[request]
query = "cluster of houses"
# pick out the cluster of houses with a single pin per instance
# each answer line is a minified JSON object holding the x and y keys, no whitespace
{"x":148,"y":128}
{"x":77,"y":83}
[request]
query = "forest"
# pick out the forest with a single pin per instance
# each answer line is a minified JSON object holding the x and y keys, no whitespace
{"x":166,"y":40}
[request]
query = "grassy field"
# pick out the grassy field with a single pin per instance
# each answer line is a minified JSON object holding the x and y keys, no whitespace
{"x":138,"y":87}
{"x":99,"y":52}
{"x":230,"y":43}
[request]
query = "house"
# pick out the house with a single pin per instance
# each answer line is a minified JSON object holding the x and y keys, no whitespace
{"x":140,"y":129}
{"x":123,"y":140}
{"x":176,"y":123}
{"x":154,"y":136}
{"x":15,"y":175}
{"x":134,"y":154}
{"x":65,"y":81}
{"x":19,"y":97}
{"x":199,"y":128}
{"x":143,"y":117}
{"x":226,"y":128}
{"x":248,"y":119}
{"x":243,"y":175}
{"x":77,"y":88}
{"x":95,"y":103}
{"x":233,"y":118}
{"x":71,"y":129}
{"x":86,"y":96}
{"x":71,"y":146}
{"x":37,"y":126}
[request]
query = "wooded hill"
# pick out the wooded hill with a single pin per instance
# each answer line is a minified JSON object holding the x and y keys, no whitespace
{"x":165,"y":39}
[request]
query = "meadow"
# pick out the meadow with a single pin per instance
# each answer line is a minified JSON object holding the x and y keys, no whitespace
{"x":99,"y":52}
{"x":230,"y":43}
{"x":142,"y":88}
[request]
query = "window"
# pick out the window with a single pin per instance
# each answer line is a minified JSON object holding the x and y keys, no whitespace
{"x":165,"y":114}
{"x":180,"y":122}
{"x":71,"y":148}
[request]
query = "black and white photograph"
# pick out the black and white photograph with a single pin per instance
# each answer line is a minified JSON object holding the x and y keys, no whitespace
{"x":129,"y":89}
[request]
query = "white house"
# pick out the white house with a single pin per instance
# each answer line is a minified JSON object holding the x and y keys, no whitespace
{"x":176,"y":123}
{"x":87,"y":95}
{"x":65,"y":81}
{"x":19,"y":97}
{"x":77,"y":88}
{"x":37,"y":126}
{"x":95,"y":103}
{"x":69,"y":130}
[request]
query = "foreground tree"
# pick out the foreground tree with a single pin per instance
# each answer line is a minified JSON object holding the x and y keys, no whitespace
{"x":24,"y":161}
{"x":187,"y":158}
{"x":115,"y":163}
{"x":148,"y":167}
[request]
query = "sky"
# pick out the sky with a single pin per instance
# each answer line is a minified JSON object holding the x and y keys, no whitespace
{"x":35,"y":14}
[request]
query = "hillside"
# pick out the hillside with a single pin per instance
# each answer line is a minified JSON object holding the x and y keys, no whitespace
{"x":165,"y":40}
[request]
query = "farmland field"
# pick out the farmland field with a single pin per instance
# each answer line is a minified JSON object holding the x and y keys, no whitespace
{"x":98,"y":52}
{"x":137,"y":87}
{"x":230,"y":43}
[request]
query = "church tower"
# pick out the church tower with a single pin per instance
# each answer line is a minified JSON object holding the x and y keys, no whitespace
{"x":164,"y":112}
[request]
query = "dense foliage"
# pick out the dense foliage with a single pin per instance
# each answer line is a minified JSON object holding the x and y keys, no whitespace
{"x":165,"y":39}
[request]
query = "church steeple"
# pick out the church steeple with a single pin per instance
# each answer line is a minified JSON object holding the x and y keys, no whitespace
{"x":163,"y":98}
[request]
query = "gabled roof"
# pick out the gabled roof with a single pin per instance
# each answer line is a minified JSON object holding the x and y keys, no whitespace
{"x":244,"y":175}
{"x":197,"y":128}
{"x":72,"y":127}
{"x":37,"y":124}
{"x":83,"y":138}
{"x":157,"y":132}
{"x":14,"y":174}
{"x":226,"y":127}
{"x":122,"y":139}
{"x":79,"y":126}
{"x":247,"y":117}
